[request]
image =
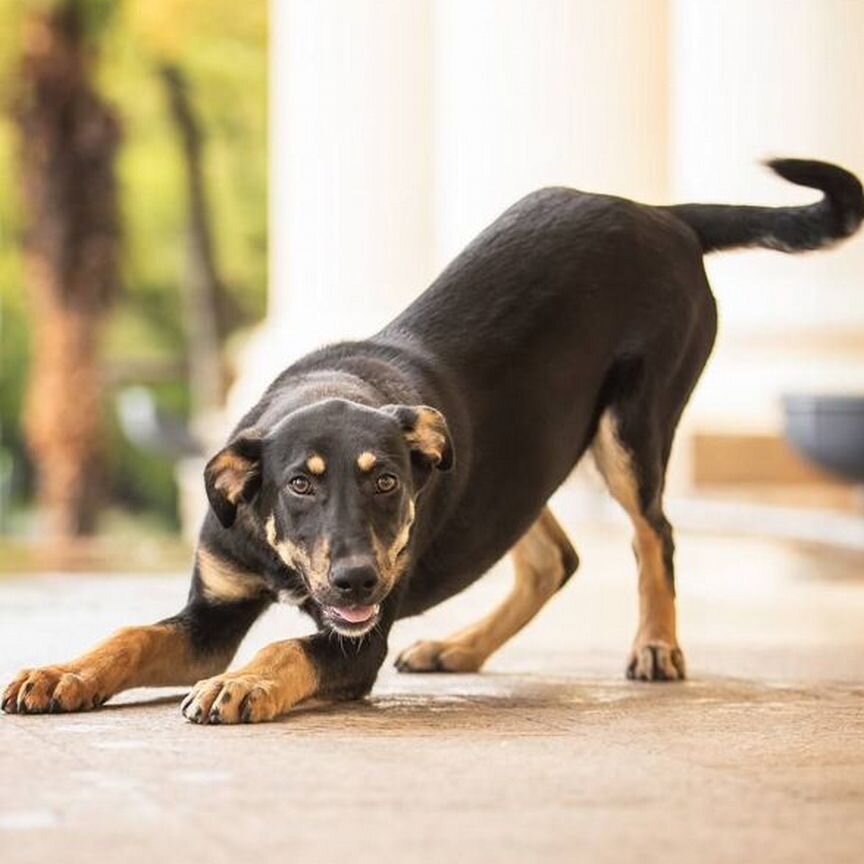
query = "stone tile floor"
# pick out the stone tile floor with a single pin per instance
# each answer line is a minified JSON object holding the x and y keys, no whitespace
{"x":550,"y":755}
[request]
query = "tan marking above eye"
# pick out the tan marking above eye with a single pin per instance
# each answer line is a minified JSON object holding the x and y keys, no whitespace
{"x":366,"y":461}
{"x":316,"y":464}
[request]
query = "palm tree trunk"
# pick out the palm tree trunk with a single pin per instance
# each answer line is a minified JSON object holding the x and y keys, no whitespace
{"x":205,"y":300}
{"x":69,"y":139}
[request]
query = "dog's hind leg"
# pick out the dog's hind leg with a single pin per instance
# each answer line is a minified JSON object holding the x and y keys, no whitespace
{"x":196,"y":643}
{"x":544,"y":559}
{"x":633,"y":465}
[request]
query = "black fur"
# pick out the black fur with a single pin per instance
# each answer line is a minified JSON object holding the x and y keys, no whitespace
{"x":568,"y":305}
{"x":786,"y":229}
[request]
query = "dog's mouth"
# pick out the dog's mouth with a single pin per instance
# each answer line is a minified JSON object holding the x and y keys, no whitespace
{"x":352,"y":620}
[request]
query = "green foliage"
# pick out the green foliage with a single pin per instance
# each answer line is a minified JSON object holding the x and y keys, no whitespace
{"x":222,"y":48}
{"x":14,"y":341}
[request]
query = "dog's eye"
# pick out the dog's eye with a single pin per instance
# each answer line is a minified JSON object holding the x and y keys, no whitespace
{"x":386,"y":483}
{"x":300,"y":485}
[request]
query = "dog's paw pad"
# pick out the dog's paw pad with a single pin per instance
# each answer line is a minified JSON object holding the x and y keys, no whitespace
{"x":656,"y":661}
{"x":433,"y":656}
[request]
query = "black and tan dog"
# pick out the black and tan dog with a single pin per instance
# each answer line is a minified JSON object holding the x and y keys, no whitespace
{"x":375,"y":479}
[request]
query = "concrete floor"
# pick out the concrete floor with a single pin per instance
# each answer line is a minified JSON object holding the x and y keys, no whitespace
{"x":549,"y":755}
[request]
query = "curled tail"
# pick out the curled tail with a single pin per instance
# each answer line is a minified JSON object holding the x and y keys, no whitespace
{"x":787,"y":229}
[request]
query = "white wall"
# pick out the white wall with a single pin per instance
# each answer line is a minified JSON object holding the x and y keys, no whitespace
{"x":751,"y":79}
{"x":759,"y":78}
{"x":351,"y":166}
{"x":531,"y":94}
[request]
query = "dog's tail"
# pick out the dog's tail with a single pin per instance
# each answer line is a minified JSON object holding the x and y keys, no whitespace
{"x":787,"y":229}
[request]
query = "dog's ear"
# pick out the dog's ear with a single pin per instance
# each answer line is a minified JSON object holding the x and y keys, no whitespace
{"x":426,"y":432}
{"x":233,"y":475}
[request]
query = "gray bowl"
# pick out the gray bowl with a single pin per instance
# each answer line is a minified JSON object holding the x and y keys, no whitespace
{"x":828,"y":430}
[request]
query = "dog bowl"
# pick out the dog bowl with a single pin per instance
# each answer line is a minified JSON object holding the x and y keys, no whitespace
{"x":829,"y":431}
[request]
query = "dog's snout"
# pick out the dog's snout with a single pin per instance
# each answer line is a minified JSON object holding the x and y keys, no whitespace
{"x":355,"y":582}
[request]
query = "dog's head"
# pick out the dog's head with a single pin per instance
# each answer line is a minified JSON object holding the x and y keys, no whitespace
{"x":334,"y":487}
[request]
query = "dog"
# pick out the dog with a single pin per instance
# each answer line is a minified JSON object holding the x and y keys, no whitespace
{"x":375,"y":479}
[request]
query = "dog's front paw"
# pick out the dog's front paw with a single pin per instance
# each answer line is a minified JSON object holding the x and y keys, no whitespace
{"x":432,"y":656}
{"x":52,"y":690}
{"x":656,"y":660}
{"x":233,"y":698}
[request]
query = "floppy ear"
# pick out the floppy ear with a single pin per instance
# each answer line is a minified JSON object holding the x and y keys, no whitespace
{"x":233,"y":475}
{"x":426,"y":432}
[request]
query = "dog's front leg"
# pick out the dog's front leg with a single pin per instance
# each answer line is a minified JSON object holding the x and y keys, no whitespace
{"x":283,"y":674}
{"x":198,"y":641}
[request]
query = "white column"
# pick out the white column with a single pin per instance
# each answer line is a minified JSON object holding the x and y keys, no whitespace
{"x":753,"y":79}
{"x":528,"y":94}
{"x":350,"y":226}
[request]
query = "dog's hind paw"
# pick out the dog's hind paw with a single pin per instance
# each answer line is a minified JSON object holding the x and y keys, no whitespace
{"x":432,"y":656}
{"x":656,"y":661}
{"x":52,"y":690}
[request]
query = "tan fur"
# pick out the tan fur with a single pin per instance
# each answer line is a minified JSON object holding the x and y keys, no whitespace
{"x":316,"y":464}
{"x":314,"y":566}
{"x":428,"y":436}
{"x":390,"y":565}
{"x":232,"y":472}
{"x":366,"y":461}
{"x":540,"y":561}
{"x":656,"y":598}
{"x":280,"y":676}
{"x":223,"y":582}
{"x":613,"y":462}
{"x":155,"y":656}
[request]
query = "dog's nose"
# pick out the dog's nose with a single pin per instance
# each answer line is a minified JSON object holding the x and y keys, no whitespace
{"x":355,"y":582}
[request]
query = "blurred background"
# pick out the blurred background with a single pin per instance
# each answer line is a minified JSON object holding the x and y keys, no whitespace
{"x":133,"y":249}
{"x":194,"y":192}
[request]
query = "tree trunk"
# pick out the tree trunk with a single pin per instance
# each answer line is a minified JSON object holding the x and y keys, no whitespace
{"x":69,"y":140}
{"x":205,"y":300}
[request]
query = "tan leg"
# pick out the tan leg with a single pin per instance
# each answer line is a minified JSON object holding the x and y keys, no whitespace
{"x":154,"y":656}
{"x":279,"y":676}
{"x":543,"y":560}
{"x":656,"y":655}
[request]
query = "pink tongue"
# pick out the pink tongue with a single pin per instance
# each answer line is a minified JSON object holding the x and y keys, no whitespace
{"x":355,"y":615}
